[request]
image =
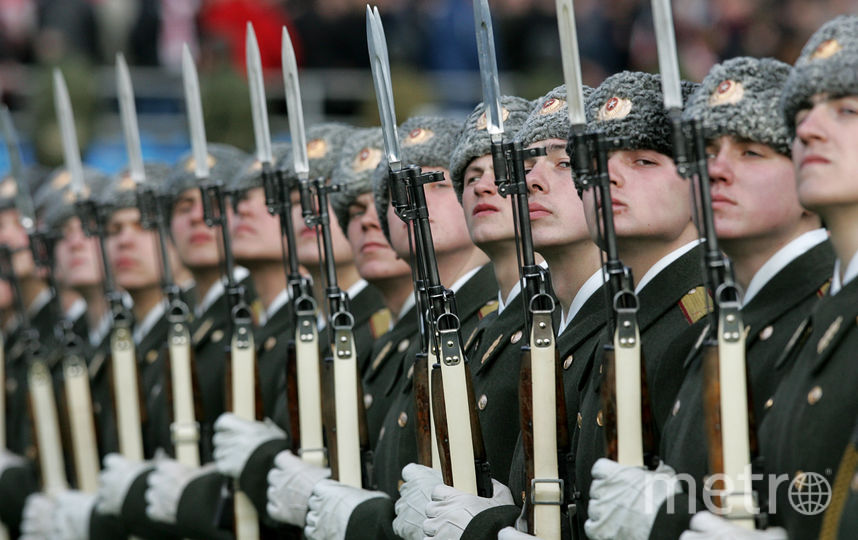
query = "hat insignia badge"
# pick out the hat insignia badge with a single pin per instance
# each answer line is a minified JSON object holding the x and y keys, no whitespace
{"x":317,"y":148}
{"x":728,"y":92}
{"x":418,"y":136}
{"x":615,"y":108}
{"x":826,"y":49}
{"x":551,"y":105}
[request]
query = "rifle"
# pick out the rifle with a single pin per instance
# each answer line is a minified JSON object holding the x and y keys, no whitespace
{"x":242,"y":350}
{"x":729,"y":417}
{"x":303,"y":377}
{"x":460,"y":445}
{"x":185,"y":430}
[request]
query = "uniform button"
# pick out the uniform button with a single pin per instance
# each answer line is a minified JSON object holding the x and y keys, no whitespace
{"x":410,"y":371}
{"x":692,"y":291}
{"x":270,"y":343}
{"x":217,"y":335}
{"x":600,"y":421}
{"x":814,"y":395}
{"x":381,"y":433}
{"x":769,"y":403}
{"x":367,"y":401}
{"x":675,"y":407}
{"x":403,"y":419}
{"x":600,"y":368}
{"x":482,"y":402}
{"x":766,"y":333}
{"x":567,"y":362}
{"x":151,"y":356}
{"x":403,"y":345}
{"x":580,"y":420}
{"x":516,"y":337}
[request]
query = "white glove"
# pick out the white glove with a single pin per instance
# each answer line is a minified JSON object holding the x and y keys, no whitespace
{"x":414,"y":494}
{"x":708,"y":526}
{"x":165,"y":487}
{"x":71,"y":516}
{"x":38,"y":517}
{"x":451,"y":510}
{"x":8,"y":460}
{"x":115,"y":479}
{"x":290,"y":484}
{"x":235,"y":439}
{"x":330,"y":507}
{"x":509,"y":533}
{"x":624,"y":500}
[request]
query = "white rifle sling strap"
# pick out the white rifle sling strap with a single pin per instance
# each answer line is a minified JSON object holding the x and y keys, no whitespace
{"x":244,"y":406}
{"x":627,"y":370}
{"x":185,"y":431}
{"x":82,"y":423}
{"x":309,"y":390}
{"x":735,"y":433}
{"x":126,"y":392}
{"x":454,"y":380}
{"x":47,"y":428}
{"x":431,"y":360}
{"x":345,"y":387}
{"x":546,"y":491}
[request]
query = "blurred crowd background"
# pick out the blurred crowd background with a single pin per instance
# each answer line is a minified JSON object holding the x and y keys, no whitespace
{"x":431,"y":44}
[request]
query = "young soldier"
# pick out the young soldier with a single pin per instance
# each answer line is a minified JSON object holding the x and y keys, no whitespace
{"x":813,"y":411}
{"x":781,"y":259}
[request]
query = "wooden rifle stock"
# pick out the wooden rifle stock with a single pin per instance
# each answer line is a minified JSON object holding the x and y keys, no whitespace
{"x":423,"y":408}
{"x":292,"y":397}
{"x":329,"y":415}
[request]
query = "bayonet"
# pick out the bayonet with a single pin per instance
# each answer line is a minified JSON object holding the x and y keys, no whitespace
{"x":571,"y":63}
{"x":380,"y":64}
{"x":128,"y":117}
{"x":194,"y":108}
{"x":65,"y":117}
{"x":23,"y":200}
{"x":488,"y":69}
{"x":668,"y":61}
{"x":300,"y":161}
{"x":257,"y":98}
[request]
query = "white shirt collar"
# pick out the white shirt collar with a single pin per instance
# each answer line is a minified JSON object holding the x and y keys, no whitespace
{"x":217,"y":290}
{"x":409,"y":303}
{"x":502,"y":304}
{"x":785,"y":255}
{"x":462,"y":280}
{"x":279,"y":301}
{"x":143,"y":328}
{"x":76,"y":310}
{"x":664,"y":262}
{"x":850,"y":274}
{"x":587,"y":290}
{"x":96,"y":335}
{"x":352,"y":291}
{"x":39,"y":302}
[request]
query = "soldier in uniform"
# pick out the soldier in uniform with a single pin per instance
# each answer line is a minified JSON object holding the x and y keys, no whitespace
{"x":812,"y":413}
{"x":781,"y":258}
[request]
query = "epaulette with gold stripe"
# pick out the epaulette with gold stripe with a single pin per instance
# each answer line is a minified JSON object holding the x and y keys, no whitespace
{"x":822,"y":291}
{"x":695,"y":304}
{"x":379,"y":322}
{"x":490,"y":307}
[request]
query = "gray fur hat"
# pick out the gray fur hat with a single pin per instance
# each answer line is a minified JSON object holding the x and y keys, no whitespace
{"x":474,"y":140}
{"x":121,"y":190}
{"x":630,"y":104}
{"x":55,"y":200}
{"x":33,"y":178}
{"x":249,"y":175}
{"x":828,"y":63}
{"x":359,"y":157}
{"x":549,"y":118}
{"x":324,"y":142}
{"x":428,"y":141}
{"x":224,"y":163}
{"x":740,"y":97}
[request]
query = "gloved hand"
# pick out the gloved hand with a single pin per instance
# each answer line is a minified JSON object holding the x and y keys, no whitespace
{"x":38,"y":517}
{"x":235,"y":439}
{"x":330,"y":507}
{"x":71,"y":515}
{"x":8,"y":459}
{"x":165,"y":487}
{"x":414,"y":494}
{"x":115,"y":479}
{"x":624,"y":500}
{"x":708,"y":526}
{"x":509,"y":533}
{"x":451,"y":510}
{"x":290,"y":484}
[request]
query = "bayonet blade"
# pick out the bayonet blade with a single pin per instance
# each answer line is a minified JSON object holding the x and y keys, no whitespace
{"x":65,"y":117}
{"x":23,"y":201}
{"x":488,"y":69}
{"x":257,"y":97}
{"x":380,"y":62}
{"x":194,"y":108}
{"x":571,"y":62}
{"x":128,"y":116}
{"x":301,"y":162}
{"x":668,"y":62}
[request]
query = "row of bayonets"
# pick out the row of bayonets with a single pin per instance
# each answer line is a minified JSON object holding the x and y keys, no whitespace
{"x":450,"y":442}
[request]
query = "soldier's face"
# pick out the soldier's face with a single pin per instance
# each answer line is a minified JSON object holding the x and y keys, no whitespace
{"x":194,"y":241}
{"x":556,"y":211}
{"x":824,"y":153}
{"x":255,"y":232}
{"x":652,"y":204}
{"x":374,"y":257}
{"x":753,"y":191}
{"x":77,"y":256}
{"x":487,"y":214}
{"x":305,"y":238}
{"x":131,"y":251}
{"x":14,"y":235}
